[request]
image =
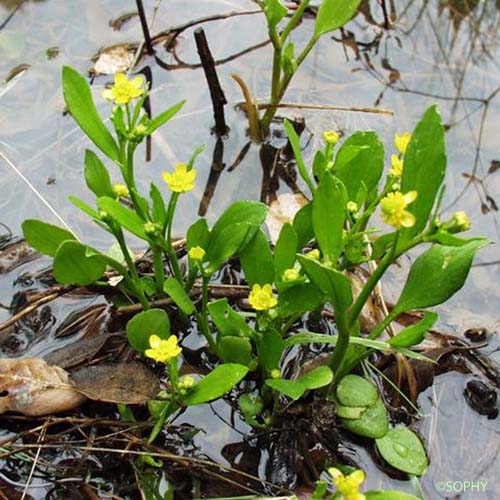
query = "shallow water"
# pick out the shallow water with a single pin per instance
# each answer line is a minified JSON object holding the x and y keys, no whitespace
{"x":435,"y":54}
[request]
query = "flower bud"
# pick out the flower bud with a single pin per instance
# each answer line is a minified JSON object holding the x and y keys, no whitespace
{"x":152,"y":229}
{"x":291,"y":275}
{"x":331,"y":137}
{"x":121,"y":191}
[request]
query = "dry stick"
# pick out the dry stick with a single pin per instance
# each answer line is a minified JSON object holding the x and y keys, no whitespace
{"x":216,"y":92}
{"x":293,"y":105}
{"x":145,"y":29}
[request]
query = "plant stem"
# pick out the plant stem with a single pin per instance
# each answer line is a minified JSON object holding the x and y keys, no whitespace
{"x":158,"y":268}
{"x":202,"y":317}
{"x":295,"y":19}
{"x":132,"y":270}
{"x":342,"y":343}
{"x":271,"y":111}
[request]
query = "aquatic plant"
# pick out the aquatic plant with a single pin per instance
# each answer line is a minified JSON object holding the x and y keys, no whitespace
{"x":308,"y":270}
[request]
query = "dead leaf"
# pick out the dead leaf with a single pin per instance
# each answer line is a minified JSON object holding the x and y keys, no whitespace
{"x":112,"y":60}
{"x":79,"y":352}
{"x":129,"y":383}
{"x":283,"y":210}
{"x":16,"y":254}
{"x":31,"y":387}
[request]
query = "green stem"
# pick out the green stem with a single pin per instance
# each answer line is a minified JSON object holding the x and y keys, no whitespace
{"x":295,"y":19}
{"x":202,"y":317}
{"x":158,"y":268}
{"x":271,"y":111}
{"x":132,"y":270}
{"x":342,"y":343}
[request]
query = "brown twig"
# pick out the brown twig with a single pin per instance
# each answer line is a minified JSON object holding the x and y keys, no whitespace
{"x":216,"y":92}
{"x":145,"y":30}
{"x":326,"y":107}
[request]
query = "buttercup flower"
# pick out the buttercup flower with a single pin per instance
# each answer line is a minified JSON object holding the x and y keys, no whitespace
{"x":275,"y":373}
{"x":458,"y":223}
{"x":186,"y":383}
{"x":181,"y":180}
{"x":331,"y":137}
{"x":313,"y":254}
{"x":152,"y":228}
{"x":397,"y":166}
{"x":291,"y":275}
{"x":394,"y":209}
{"x":401,"y":141}
{"x":162,"y":351}
{"x":262,"y":298}
{"x":352,"y":207}
{"x":124,"y":90}
{"x":121,"y":190}
{"x":196,"y":253}
{"x":348,"y":486}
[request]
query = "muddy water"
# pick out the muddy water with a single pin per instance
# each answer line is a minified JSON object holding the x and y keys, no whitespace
{"x":445,"y":52}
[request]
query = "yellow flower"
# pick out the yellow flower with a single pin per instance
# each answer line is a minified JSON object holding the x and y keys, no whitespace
{"x":162,"y":351}
{"x":121,"y":190}
{"x":291,"y":275}
{"x":181,"y":180}
{"x":331,"y":137}
{"x":397,"y":166}
{"x":124,"y":90}
{"x":275,"y":373}
{"x":186,"y":382}
{"x":394,"y":209}
{"x":460,"y":222}
{"x":313,"y":254}
{"x":262,"y":298}
{"x":401,"y":141}
{"x":196,"y":253}
{"x":348,"y":486}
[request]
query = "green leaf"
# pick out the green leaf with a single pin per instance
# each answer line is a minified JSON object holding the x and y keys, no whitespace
{"x":73,"y":265}
{"x":275,"y":11}
{"x":231,"y":240}
{"x":85,"y":208}
{"x":374,"y":421}
{"x":302,"y":223}
{"x":414,"y":334}
{"x":227,"y":320}
{"x":123,"y":215}
{"x":219,"y":381}
{"x":295,"y":143}
{"x":257,"y":260}
{"x":81,"y":105}
{"x":334,"y":284}
{"x":299,"y":299}
{"x":145,"y":324}
{"x":234,"y":229}
{"x":388,"y":495}
{"x":354,"y":390}
{"x":360,"y":161}
{"x":316,"y":378}
{"x":234,"y":350}
{"x":424,"y":168}
{"x":271,"y":348}
{"x":45,"y":237}
{"x":164,"y":117}
{"x":285,"y":249}
{"x":289,"y":388}
{"x":250,"y":407}
{"x":198,"y":234}
{"x":97,"y":176}
{"x":328,"y":216}
{"x":333,"y":14}
{"x":436,"y":275}
{"x":176,"y":292}
{"x":159,"y":209}
{"x":349,"y":412}
{"x":320,"y":338}
{"x":402,"y":449}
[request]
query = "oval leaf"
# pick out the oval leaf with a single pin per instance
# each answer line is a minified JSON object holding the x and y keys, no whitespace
{"x":45,"y":237}
{"x":145,"y":324}
{"x":289,"y":388}
{"x":96,"y":175}
{"x":219,"y":381}
{"x":176,"y":292}
{"x":354,"y":390}
{"x":79,"y":100}
{"x":333,"y":14}
{"x":257,"y":260}
{"x":374,"y":422}
{"x":74,"y":266}
{"x":402,"y":449}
